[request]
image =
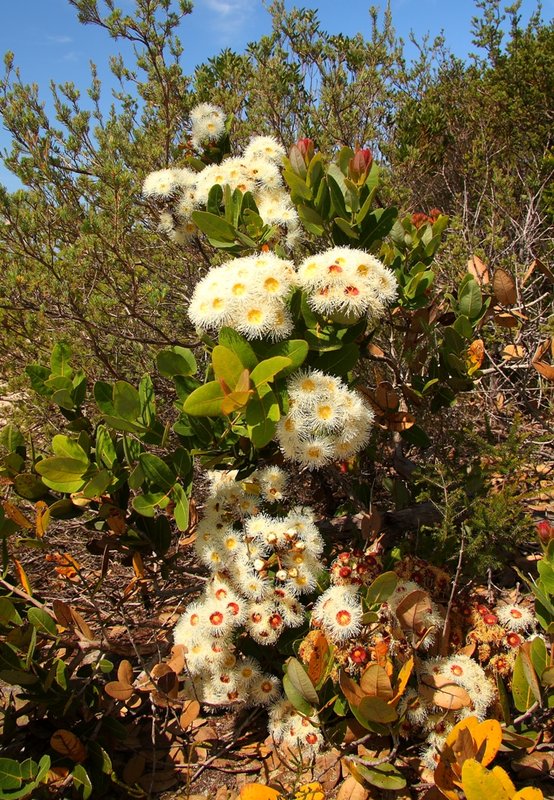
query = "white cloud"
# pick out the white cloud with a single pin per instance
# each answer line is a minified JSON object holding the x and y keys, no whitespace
{"x":228,"y":17}
{"x":60,"y":39}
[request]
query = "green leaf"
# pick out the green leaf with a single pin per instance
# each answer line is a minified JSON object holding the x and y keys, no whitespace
{"x":298,"y":677}
{"x":157,"y":471}
{"x":262,"y":416}
{"x":11,"y":438}
{"x":181,"y":509}
{"x":381,"y":588}
{"x":216,"y":228}
{"x":61,"y":473}
{"x":311,"y":220}
{"x":337,"y":198}
{"x":147,"y":503}
{"x":297,"y":185}
{"x":8,"y":612}
{"x":29,"y":486}
{"x":59,"y":360}
{"x":205,"y":401}
{"x":10,"y":774}
{"x":339,"y":361}
{"x":176,"y":361}
{"x":522,"y":691}
{"x":470,"y":299}
{"x":105,"y":448}
{"x":98,"y":484}
{"x":227,"y":365}
{"x":375,"y":709}
{"x":81,"y":781}
{"x":126,"y":401}
{"x":103,"y":394}
{"x":266,"y":370}
{"x":65,"y":447}
{"x":42,"y":621}
{"x":38,"y":376}
{"x":147,"y":400}
{"x":377,"y":225}
{"x":229,"y":338}
{"x":384,"y":776}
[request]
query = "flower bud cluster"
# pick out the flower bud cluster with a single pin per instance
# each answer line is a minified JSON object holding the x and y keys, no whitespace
{"x":260,"y":565}
{"x":325,"y":422}
{"x":207,"y":123}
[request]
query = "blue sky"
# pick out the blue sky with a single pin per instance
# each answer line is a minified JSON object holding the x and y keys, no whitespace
{"x":50,"y":44}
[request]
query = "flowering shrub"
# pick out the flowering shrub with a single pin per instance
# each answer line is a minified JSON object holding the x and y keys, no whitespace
{"x":308,"y":288}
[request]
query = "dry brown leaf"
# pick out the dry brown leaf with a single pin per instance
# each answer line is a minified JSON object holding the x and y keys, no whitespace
{"x":504,"y":287}
{"x":318,"y":657}
{"x":412,"y":610}
{"x":191,"y":710}
{"x":81,"y":625}
{"x":177,"y":660}
{"x":385,"y":397}
{"x":352,"y":790}
{"x":441,"y":691}
{"x":68,"y":745}
{"x":513,"y":352}
{"x":375,"y":351}
{"x":372,"y":524}
{"x":350,"y":689}
{"x":125,"y":672}
{"x":327,"y":767}
{"x":400,"y":421}
{"x":506,"y":320}
{"x":479,"y":270}
{"x":63,"y":613}
{"x":118,"y":690}
{"x":544,"y":369}
{"x":134,"y":768}
{"x":374,"y":682}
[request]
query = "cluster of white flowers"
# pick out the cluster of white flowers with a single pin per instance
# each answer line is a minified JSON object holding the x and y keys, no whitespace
{"x":257,"y":171}
{"x":346,"y":284}
{"x":249,"y":294}
{"x":515,"y":617}
{"x":208,"y":124}
{"x":292,"y":730}
{"x":325,"y":422}
{"x":260,"y":565}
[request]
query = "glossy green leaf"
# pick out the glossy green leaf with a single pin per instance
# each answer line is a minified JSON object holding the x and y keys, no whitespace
{"x":61,"y":473}
{"x":126,"y":401}
{"x":147,"y":503}
{"x":181,"y":507}
{"x":241,"y":347}
{"x":205,"y":401}
{"x":470,"y":299}
{"x":227,"y":365}
{"x":262,"y":416}
{"x":266,"y":370}
{"x":11,"y":438}
{"x":216,"y":228}
{"x":157,"y":471}
{"x":59,"y":360}
{"x":81,"y":781}
{"x":384,"y":776}
{"x":42,"y":621}
{"x":65,"y":447}
{"x":176,"y":361}
{"x":381,"y":589}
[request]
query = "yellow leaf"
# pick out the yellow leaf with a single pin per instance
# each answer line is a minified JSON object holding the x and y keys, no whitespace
{"x":13,"y":513}
{"x":529,"y":793}
{"x":504,"y":779}
{"x":403,"y":678}
{"x":22,"y":575}
{"x":258,"y":791}
{"x":43,"y":518}
{"x":478,"y":783}
{"x":488,"y":738}
{"x":310,"y":791}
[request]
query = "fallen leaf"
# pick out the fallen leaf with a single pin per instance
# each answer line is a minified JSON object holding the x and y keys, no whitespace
{"x":441,"y":691}
{"x":191,"y":710}
{"x":513,"y":352}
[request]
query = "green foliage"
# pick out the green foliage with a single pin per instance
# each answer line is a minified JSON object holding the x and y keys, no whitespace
{"x":479,"y":491}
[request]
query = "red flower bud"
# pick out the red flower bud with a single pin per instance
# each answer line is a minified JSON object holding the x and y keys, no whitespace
{"x":545,"y":531}
{"x":359,"y":166}
{"x":306,"y":147}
